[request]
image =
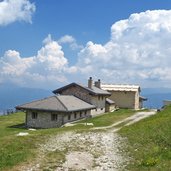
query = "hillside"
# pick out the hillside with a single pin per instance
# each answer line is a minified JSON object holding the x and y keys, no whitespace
{"x":149,"y":142}
{"x":37,"y":149}
{"x":144,"y":145}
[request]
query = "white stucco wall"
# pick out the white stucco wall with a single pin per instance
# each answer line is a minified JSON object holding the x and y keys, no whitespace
{"x":125,"y":99}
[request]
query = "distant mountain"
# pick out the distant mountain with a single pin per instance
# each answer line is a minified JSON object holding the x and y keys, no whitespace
{"x":10,"y":96}
{"x":156,"y":96}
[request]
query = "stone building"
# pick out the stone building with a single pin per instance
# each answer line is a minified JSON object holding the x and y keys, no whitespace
{"x":125,"y":96}
{"x":55,"y":111}
{"x":71,"y":102}
{"x":92,"y":94}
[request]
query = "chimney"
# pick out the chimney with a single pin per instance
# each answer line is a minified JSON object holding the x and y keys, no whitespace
{"x":98,"y":84}
{"x":90,"y":83}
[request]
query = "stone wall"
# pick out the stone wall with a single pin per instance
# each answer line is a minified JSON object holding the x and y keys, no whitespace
{"x":76,"y":115}
{"x":110,"y":107}
{"x":98,"y":101}
{"x":44,"y":118}
{"x":78,"y":92}
{"x":97,"y":111}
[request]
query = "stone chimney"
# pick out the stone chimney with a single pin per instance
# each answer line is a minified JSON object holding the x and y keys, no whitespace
{"x":98,"y":83}
{"x":90,"y":83}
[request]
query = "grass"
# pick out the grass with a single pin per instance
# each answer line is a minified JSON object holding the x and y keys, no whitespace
{"x":149,"y":142}
{"x":15,"y":151}
{"x":109,"y":118}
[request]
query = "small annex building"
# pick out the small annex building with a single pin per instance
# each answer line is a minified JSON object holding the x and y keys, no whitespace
{"x":125,"y":96}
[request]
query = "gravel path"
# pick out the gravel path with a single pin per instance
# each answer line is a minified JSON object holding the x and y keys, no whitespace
{"x":128,"y":121}
{"x":96,"y":150}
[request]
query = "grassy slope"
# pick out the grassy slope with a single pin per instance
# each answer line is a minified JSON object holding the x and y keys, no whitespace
{"x":109,"y":119}
{"x":15,"y":150}
{"x":150,"y":142}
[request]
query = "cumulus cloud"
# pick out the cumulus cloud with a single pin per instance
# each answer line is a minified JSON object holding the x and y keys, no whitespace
{"x":68,"y":39}
{"x":48,"y":67}
{"x":138,"y":51}
{"x":16,"y":10}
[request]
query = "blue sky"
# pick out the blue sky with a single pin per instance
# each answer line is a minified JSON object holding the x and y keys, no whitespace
{"x":51,"y":43}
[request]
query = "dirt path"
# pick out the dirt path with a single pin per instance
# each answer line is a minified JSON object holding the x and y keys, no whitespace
{"x":128,"y":121}
{"x":97,"y":150}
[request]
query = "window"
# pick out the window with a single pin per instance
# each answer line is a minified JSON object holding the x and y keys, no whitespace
{"x":98,"y":97}
{"x":85,"y":113}
{"x":80,"y":114}
{"x":75,"y":115}
{"x":54,"y":117}
{"x":34,"y":115}
{"x":69,"y":117}
{"x":101,"y":108}
{"x":102,"y":97}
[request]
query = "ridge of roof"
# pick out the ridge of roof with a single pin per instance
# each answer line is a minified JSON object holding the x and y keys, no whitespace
{"x":96,"y":91}
{"x":61,"y":102}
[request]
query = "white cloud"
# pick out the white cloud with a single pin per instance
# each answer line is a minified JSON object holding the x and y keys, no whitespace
{"x":16,"y":10}
{"x":48,"y":67}
{"x":138,"y":51}
{"x":68,"y":39}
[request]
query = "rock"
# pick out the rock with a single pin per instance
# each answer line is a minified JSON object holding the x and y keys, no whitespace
{"x":22,"y":134}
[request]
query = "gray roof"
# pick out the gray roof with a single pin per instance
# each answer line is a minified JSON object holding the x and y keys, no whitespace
{"x":63,"y":103}
{"x":142,"y":98}
{"x":109,"y":101}
{"x":94,"y":90}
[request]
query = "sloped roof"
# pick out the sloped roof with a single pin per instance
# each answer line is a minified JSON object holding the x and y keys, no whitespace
{"x":120,"y":87}
{"x":93,"y":91}
{"x":143,"y":98}
{"x":109,"y":101}
{"x":64,"y":103}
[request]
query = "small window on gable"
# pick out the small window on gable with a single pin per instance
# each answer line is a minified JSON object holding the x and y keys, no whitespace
{"x":34,"y":115}
{"x":54,"y":117}
{"x":101,"y":108}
